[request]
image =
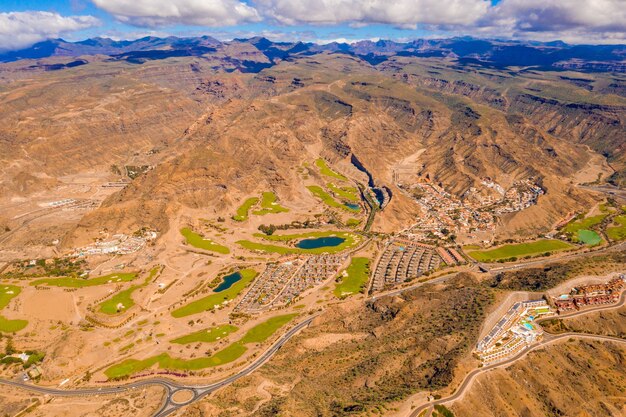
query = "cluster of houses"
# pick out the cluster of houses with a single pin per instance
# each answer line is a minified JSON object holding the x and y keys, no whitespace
{"x":315,"y":271}
{"x":517,"y":329}
{"x":474,"y":211}
{"x":444,"y":212}
{"x":450,"y":256}
{"x":514,"y":332}
{"x":281,"y":283}
{"x":119,"y":244}
{"x":589,"y":295}
{"x":521,"y":195}
{"x":404,"y":259}
{"x":267,"y":286}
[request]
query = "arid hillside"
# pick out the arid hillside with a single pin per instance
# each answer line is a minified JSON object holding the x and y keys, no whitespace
{"x":358,"y":358}
{"x":211,"y":135}
{"x":456,"y":124}
{"x":593,"y":373}
{"x":290,"y":229}
{"x":337,"y":107}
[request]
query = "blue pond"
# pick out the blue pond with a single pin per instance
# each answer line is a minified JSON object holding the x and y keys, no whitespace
{"x":227,"y":282}
{"x":320,"y":242}
{"x":352,"y":206}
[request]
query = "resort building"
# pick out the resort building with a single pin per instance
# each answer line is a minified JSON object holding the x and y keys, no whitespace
{"x":590,"y":295}
{"x":514,"y":332}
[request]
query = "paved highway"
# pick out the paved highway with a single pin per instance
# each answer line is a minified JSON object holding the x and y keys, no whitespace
{"x":548,"y":339}
{"x":491,"y":268}
{"x":168,"y":405}
{"x":196,"y":392}
{"x":399,"y":291}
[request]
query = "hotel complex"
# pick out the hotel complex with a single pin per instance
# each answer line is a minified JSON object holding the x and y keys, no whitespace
{"x":515,"y":331}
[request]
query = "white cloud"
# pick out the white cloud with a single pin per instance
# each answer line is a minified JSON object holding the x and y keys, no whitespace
{"x":576,"y":21}
{"x":401,"y":13}
{"x":155,"y":13}
{"x":343,"y":40}
{"x":22,"y":29}
{"x":555,"y":15}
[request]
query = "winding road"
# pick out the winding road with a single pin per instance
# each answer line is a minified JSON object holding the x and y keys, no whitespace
{"x":548,"y":339}
{"x":168,"y":405}
{"x":196,"y":392}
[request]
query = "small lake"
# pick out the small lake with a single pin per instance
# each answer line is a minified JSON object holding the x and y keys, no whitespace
{"x":352,"y":206}
{"x":589,"y":237}
{"x":320,"y":242}
{"x":227,"y":282}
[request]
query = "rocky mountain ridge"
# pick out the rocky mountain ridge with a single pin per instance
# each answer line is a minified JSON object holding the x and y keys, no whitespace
{"x":488,"y":53}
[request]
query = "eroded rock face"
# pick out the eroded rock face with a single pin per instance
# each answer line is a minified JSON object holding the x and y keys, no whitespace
{"x":197,"y":125}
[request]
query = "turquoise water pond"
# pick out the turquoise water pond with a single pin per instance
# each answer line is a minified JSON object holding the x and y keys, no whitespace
{"x":227,"y":282}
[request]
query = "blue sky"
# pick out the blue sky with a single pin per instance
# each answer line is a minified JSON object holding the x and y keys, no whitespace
{"x":23,"y":22}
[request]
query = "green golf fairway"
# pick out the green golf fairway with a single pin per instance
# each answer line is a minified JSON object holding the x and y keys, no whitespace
{"x":259,"y":333}
{"x":7,"y":293}
{"x":269,"y":205}
{"x":209,"y":335}
{"x":244,"y":209}
{"x":70,"y":282}
{"x":124,"y":299}
{"x":211,"y":301}
{"x":325,"y":170}
{"x":329,"y":200}
{"x":357,"y":276}
{"x":198,"y":241}
{"x":617,"y":232}
{"x":519,"y":249}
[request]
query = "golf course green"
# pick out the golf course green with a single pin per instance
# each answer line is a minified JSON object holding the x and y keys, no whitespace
{"x":7,"y":293}
{"x":70,"y":282}
{"x":519,"y":249}
{"x":354,"y":279}
{"x":230,"y":353}
{"x":214,"y":300}
{"x":198,"y":241}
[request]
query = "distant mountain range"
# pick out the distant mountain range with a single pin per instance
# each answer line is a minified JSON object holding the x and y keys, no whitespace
{"x":491,"y":53}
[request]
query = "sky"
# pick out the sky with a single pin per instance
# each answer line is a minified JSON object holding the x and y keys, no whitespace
{"x":25,"y":22}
